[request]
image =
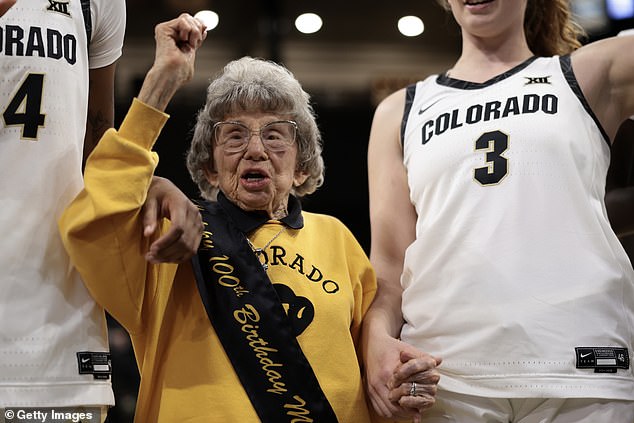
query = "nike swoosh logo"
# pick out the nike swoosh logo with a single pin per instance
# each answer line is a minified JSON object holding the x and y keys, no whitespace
{"x":85,"y":360}
{"x":585,"y":355}
{"x":421,"y":111}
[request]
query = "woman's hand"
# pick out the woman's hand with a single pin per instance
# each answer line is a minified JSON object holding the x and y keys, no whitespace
{"x":176,"y":44}
{"x":180,"y":242}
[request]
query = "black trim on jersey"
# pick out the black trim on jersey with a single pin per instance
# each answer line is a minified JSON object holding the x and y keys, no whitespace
{"x":410,"y":92}
{"x":448,"y":81}
{"x":569,"y":74}
{"x":85,"y":10}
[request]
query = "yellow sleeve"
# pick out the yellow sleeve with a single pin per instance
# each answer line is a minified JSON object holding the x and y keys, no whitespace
{"x":102,"y":228}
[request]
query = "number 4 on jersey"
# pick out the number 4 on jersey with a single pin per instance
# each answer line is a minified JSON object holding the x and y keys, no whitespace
{"x":24,"y":109}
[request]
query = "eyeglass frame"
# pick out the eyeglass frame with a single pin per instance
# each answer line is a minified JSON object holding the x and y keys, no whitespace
{"x":254,"y":132}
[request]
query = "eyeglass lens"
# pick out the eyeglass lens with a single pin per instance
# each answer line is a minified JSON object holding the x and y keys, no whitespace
{"x":275,"y":136}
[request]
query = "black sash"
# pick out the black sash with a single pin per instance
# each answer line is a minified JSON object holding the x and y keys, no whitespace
{"x":251,"y":323}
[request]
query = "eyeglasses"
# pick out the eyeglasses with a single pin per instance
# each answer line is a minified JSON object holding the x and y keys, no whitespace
{"x":276,"y":136}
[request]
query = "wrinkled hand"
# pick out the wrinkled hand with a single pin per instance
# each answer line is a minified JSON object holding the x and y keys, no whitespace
{"x":389,"y":365}
{"x":419,"y":368}
{"x":5,"y":5}
{"x":180,"y":242}
{"x":176,"y":44}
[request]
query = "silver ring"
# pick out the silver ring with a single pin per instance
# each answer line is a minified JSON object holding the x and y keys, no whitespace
{"x":412,"y":390}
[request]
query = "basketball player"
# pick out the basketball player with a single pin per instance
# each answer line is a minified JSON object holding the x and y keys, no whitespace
{"x":490,"y":236}
{"x":57,"y":64}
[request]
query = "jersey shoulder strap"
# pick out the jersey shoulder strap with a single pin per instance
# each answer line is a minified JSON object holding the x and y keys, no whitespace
{"x":410,"y":93}
{"x":85,"y":8}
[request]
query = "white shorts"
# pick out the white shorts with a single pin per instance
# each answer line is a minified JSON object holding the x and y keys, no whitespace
{"x":459,"y":408}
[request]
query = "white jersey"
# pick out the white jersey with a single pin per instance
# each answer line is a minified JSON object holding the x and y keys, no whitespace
{"x":53,"y":339}
{"x":516,"y":278}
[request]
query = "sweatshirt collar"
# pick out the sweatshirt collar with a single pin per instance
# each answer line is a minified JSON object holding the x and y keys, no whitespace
{"x":248,"y":221}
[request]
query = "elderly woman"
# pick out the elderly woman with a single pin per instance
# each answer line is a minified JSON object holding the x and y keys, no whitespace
{"x":264,"y":323}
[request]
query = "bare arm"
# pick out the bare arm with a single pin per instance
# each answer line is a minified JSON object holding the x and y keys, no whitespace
{"x":393,"y":224}
{"x":392,"y":216}
{"x":100,"y":106}
{"x":605,"y":72}
{"x":5,"y":5}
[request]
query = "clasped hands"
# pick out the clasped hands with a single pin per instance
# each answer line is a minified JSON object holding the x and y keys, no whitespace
{"x":414,"y":383}
{"x":404,"y":383}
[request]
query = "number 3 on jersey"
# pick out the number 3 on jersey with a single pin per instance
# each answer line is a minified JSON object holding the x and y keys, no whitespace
{"x":494,"y":143}
{"x":25,"y":107}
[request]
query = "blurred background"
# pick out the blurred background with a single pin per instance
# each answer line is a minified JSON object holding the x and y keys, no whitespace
{"x":350,"y":55}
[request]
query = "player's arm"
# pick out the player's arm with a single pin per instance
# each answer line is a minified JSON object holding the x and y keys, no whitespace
{"x":393,"y":225}
{"x":5,"y":5}
{"x":100,"y":106}
{"x":392,"y":216}
{"x":606,"y":77}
